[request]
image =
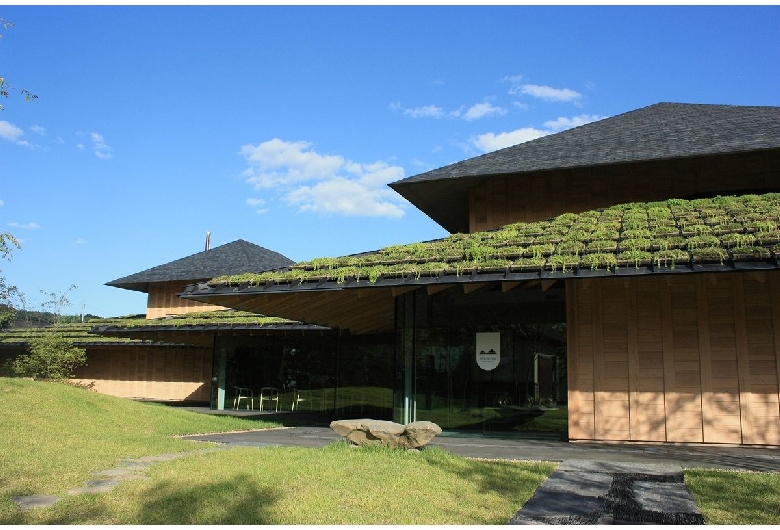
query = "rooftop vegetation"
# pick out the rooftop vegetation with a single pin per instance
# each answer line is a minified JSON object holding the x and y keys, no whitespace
{"x":80,"y":332}
{"x":221,"y":317}
{"x":668,"y":233}
{"x":75,"y":332}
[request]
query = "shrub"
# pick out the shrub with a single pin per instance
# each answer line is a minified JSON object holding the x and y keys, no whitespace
{"x":51,"y":356}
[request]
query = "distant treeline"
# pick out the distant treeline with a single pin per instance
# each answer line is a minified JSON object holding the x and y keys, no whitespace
{"x":24,"y":318}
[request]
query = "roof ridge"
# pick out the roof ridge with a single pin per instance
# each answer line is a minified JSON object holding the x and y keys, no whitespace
{"x":236,"y":256}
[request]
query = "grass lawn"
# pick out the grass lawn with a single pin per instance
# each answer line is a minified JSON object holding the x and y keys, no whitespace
{"x":736,"y":497}
{"x":54,"y":436}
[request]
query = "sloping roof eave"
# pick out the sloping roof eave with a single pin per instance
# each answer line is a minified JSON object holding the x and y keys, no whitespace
{"x":212,"y":294}
{"x":689,"y":130}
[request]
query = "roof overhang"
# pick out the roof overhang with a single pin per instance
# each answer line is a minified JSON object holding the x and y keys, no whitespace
{"x":445,"y":201}
{"x":366,"y":307}
{"x":361,"y":311}
{"x":196,"y":333}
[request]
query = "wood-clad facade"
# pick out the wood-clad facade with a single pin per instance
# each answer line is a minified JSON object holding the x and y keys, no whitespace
{"x":675,"y":358}
{"x":505,"y":199}
{"x":163,"y":301}
{"x":156,"y":370}
{"x":151,"y":372}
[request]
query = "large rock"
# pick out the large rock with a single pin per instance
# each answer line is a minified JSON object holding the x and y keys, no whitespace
{"x":391,"y":434}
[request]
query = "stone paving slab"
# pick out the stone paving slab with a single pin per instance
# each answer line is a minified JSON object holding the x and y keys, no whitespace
{"x":567,"y":497}
{"x":95,"y":486}
{"x":127,"y":469}
{"x":593,"y":484}
{"x":603,"y":492}
{"x":598,"y":466}
{"x":664,"y":497}
{"x":31,"y":502}
{"x":548,"y":503}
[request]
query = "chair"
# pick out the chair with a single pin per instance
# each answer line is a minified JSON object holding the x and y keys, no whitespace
{"x":247,"y":395}
{"x":297,"y":397}
{"x":327,"y":396}
{"x":269,"y":393}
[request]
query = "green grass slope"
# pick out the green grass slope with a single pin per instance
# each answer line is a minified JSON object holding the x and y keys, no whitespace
{"x":55,"y":436}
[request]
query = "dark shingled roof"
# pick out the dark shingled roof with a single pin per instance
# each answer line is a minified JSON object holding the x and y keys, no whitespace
{"x":660,"y":131}
{"x":657,"y":132}
{"x":237,"y":257}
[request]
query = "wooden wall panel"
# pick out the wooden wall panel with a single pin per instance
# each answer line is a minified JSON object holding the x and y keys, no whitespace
{"x":513,"y":198}
{"x":580,"y":365}
{"x":162,"y":301}
{"x":166,"y":374}
{"x":678,"y":358}
{"x":761,"y":362}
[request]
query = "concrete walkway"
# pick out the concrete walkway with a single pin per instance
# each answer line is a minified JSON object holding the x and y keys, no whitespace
{"x":684,"y":455}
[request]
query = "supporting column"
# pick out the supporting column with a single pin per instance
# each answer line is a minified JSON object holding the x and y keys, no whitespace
{"x":222,"y":356}
{"x":404,"y":406}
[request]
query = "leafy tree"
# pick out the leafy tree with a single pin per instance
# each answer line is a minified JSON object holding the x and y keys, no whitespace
{"x":7,"y":242}
{"x":5,"y":88}
{"x":8,"y":293}
{"x":52,"y":356}
{"x":57,"y":302}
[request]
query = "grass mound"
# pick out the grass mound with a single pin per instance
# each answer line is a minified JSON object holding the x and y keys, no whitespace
{"x":55,"y":436}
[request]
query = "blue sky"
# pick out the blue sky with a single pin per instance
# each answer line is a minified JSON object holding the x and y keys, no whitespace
{"x":283,"y":125}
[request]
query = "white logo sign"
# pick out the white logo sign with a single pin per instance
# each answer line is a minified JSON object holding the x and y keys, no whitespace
{"x":488,"y":350}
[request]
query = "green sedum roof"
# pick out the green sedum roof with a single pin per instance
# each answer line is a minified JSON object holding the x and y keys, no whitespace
{"x":663,"y":234}
{"x":84,"y":333}
{"x":78,"y":333}
{"x":224,"y":317}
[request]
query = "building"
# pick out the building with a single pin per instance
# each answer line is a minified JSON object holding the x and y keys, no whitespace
{"x":649,"y":237}
{"x":222,"y":354}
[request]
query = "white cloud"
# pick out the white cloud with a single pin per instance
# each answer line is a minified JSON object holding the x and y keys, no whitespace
{"x":480,"y":110}
{"x":29,"y":226}
{"x":492,"y":142}
{"x":257,"y":203}
{"x":80,"y":241}
{"x":346,"y":197}
{"x":567,"y":123}
{"x":476,"y":111}
{"x":99,"y":146}
{"x":2,"y":204}
{"x":512,"y":78}
{"x":12,"y":133}
{"x":547,"y":93}
{"x":426,"y":111}
{"x":323,"y":183}
{"x":38,"y":129}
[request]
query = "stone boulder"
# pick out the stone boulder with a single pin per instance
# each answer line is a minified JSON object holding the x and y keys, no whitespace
{"x":388,"y":433}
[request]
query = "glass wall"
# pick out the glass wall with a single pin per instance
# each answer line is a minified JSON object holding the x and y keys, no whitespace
{"x":323,"y":374}
{"x":365,"y":377}
{"x":452,"y":384}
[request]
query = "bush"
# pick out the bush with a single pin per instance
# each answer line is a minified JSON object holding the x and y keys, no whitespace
{"x":51,"y":356}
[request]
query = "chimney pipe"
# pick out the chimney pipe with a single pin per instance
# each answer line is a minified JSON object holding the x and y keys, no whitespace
{"x":208,"y":240}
